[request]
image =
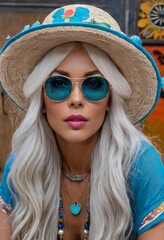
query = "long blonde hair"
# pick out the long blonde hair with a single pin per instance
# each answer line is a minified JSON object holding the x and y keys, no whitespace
{"x":35,"y":174}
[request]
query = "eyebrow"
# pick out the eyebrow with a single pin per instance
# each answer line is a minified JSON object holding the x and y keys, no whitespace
{"x":87,"y":74}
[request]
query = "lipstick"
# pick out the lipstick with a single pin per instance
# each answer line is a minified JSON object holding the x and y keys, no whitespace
{"x":76,"y":120}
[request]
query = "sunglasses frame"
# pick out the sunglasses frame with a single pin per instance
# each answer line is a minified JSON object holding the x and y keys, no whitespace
{"x":75,"y":82}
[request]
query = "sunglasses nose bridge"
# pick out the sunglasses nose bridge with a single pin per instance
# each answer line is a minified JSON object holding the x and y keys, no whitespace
{"x":77,"y":85}
{"x":76,"y":97}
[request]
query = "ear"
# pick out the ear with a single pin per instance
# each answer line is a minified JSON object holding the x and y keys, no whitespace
{"x":108,"y":104}
{"x":107,"y":109}
{"x":43,"y":108}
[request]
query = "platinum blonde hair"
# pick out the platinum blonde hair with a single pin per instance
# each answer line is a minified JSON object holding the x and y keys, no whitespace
{"x":35,"y":174}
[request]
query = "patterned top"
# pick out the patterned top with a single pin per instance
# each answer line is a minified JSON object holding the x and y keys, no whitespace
{"x":146,"y":194}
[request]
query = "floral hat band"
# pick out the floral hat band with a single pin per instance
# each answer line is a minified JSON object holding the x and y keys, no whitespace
{"x":82,"y":23}
{"x":73,"y":14}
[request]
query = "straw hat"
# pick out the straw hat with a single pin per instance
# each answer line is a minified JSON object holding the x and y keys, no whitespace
{"x":85,"y":23}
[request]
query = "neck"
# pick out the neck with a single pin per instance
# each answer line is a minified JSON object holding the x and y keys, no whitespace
{"x":76,"y":157}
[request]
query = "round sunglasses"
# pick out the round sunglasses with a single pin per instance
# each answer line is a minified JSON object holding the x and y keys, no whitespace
{"x":58,"y":88}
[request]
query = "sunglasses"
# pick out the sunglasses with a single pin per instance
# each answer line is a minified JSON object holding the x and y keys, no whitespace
{"x":58,"y":88}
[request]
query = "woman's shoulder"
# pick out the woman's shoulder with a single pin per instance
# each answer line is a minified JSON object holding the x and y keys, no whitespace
{"x":8,"y":166}
{"x":146,"y":154}
{"x":6,"y":199}
{"x":146,"y":162}
{"x":9,"y":163}
{"x":147,"y":187}
{"x":146,"y":166}
{"x":144,"y":146}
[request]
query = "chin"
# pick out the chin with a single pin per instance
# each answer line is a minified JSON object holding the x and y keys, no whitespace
{"x":76,"y":140}
{"x":78,"y":137}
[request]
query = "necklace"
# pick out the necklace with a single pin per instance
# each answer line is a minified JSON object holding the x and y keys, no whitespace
{"x":61,"y":223}
{"x":76,"y":177}
{"x":75,"y":207}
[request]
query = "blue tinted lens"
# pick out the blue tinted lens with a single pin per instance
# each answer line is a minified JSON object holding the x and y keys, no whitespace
{"x":95,"y":88}
{"x":58,"y":88}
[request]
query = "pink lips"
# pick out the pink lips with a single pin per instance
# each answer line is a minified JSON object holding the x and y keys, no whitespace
{"x":76,"y":121}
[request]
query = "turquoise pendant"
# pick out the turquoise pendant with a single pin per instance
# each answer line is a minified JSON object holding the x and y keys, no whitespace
{"x":75,"y":208}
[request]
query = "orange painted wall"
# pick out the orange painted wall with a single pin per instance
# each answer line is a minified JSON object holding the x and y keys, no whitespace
{"x":154,"y":124}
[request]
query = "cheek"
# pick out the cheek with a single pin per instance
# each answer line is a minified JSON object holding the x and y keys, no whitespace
{"x":52,"y":110}
{"x":51,"y":107}
{"x":102,"y":106}
{"x":98,"y":111}
{"x":54,"y":116}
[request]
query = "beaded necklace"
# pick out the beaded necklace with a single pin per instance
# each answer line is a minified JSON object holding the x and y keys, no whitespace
{"x":61,"y":224}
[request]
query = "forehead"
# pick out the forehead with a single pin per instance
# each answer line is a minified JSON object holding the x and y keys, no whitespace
{"x":77,"y":62}
{"x":57,"y":72}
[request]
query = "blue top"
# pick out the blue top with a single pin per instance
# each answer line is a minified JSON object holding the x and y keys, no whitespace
{"x":146,"y":181}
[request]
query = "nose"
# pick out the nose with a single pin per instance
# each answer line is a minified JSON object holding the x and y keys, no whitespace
{"x":76,"y":98}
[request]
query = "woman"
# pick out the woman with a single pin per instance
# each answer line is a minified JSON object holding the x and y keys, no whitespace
{"x":79,"y":168}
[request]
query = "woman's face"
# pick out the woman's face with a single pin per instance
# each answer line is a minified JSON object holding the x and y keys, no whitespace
{"x":76,"y":119}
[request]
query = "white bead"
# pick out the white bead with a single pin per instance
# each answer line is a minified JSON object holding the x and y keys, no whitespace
{"x":61,"y":232}
{"x":86,"y":231}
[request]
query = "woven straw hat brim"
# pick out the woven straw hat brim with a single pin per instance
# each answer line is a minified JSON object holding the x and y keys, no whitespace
{"x":21,"y":53}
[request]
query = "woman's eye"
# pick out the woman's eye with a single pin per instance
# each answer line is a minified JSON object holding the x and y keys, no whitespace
{"x":94,"y":83}
{"x":58,"y":83}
